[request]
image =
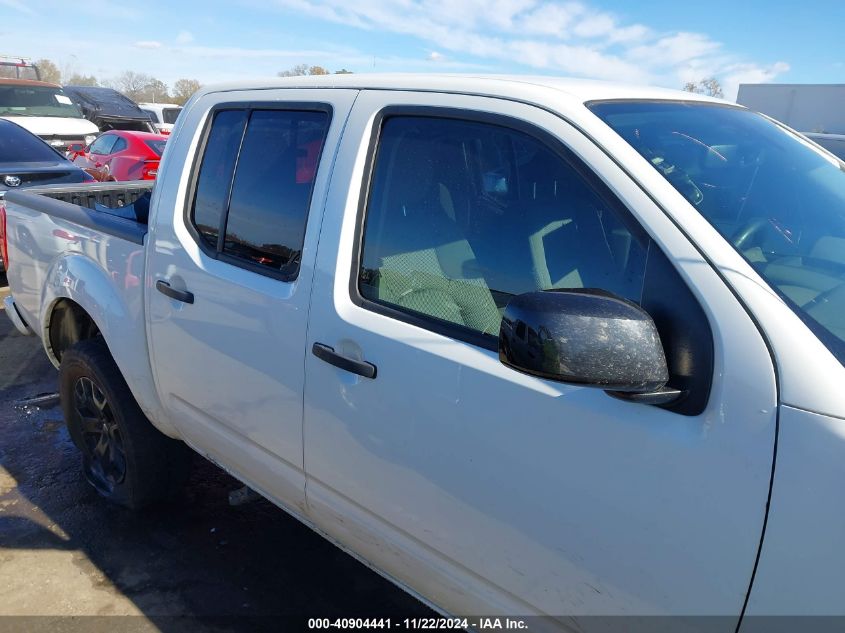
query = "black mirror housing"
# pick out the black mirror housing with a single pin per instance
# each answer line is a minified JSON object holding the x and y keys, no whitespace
{"x":585,"y":337}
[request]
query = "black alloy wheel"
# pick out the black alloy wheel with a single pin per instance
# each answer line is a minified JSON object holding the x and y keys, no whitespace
{"x":102,"y":446}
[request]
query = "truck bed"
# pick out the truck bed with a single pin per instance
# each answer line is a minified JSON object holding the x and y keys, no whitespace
{"x":118,"y":209}
{"x":86,"y":240}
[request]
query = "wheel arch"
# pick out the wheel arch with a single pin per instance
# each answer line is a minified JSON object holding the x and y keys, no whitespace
{"x":80,"y":301}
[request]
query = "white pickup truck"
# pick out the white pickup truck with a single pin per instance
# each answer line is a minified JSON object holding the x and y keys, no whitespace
{"x":525,"y":346}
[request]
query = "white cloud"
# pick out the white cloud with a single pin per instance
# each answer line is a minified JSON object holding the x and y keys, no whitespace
{"x":744,"y":73}
{"x":596,"y":25}
{"x":674,"y":50}
{"x":147,"y":44}
{"x":184,"y":37}
{"x":16,"y":5}
{"x":569,"y":37}
{"x":434,"y":56}
{"x":550,"y":19}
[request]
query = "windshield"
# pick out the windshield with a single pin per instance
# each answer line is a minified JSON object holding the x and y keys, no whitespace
{"x":776,"y":198}
{"x":156,"y":146}
{"x":18,"y":70}
{"x":20,"y":100}
{"x":170,"y":114}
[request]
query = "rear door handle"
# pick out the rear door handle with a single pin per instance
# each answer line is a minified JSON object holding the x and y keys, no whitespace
{"x":360,"y":367}
{"x":180,"y":295}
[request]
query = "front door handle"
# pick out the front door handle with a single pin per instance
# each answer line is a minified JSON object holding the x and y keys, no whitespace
{"x":360,"y":367}
{"x":180,"y":295}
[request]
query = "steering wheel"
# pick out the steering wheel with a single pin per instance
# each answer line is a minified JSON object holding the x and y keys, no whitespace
{"x":742,"y":237}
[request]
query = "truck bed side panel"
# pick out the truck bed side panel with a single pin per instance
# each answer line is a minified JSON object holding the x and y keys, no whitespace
{"x":54,"y":258}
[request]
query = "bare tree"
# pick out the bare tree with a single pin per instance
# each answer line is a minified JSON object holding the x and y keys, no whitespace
{"x":140,"y":87}
{"x":155,"y":91}
{"x":296,"y":71}
{"x":49,"y":71}
{"x":183,"y":89}
{"x":709,"y":86}
{"x":304,"y":69}
{"x":131,"y":84}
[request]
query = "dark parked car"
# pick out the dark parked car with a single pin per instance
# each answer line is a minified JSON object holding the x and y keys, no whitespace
{"x":26,"y":160}
{"x":109,"y":110}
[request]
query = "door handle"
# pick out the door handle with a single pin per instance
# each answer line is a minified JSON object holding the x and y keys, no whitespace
{"x":360,"y":367}
{"x":180,"y":295}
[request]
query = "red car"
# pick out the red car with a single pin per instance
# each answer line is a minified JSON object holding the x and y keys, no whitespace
{"x":121,"y":155}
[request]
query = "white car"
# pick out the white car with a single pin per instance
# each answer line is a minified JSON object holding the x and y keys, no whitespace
{"x":526,"y":346}
{"x":163,"y":115}
{"x":46,"y":111}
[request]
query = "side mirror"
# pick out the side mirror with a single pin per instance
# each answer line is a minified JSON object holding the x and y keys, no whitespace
{"x":586,"y":337}
{"x":75,"y":148}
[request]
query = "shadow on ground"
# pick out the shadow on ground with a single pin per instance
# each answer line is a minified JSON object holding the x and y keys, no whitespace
{"x":194,"y":564}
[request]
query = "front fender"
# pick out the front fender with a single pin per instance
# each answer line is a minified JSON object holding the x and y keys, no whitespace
{"x":102,"y":288}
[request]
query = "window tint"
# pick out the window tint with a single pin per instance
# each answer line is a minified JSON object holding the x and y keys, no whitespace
{"x":272,"y":187}
{"x":103,"y":144}
{"x":19,"y":146}
{"x":215,"y":175}
{"x":170,"y":114}
{"x":152,"y":114}
{"x":156,"y":146}
{"x":119,"y":145}
{"x":464,"y":215}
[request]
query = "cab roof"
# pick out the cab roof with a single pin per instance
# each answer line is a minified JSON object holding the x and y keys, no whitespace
{"x":505,"y":86}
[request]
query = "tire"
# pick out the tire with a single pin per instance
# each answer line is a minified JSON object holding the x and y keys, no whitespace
{"x":124,"y":457}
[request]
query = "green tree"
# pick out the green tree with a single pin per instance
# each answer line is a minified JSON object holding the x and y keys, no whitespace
{"x":183,"y":89}
{"x":49,"y":71}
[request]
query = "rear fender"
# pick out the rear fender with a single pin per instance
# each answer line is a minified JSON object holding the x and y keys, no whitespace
{"x":115,"y":307}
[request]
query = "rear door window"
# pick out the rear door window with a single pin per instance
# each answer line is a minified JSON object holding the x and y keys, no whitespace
{"x":215,"y":176}
{"x":271,"y":192}
{"x":255,"y":184}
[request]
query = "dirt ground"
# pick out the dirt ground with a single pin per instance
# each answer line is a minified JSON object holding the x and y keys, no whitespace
{"x":67,"y":556}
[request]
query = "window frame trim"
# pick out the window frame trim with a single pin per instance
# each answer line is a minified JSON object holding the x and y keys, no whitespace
{"x":247,"y":107}
{"x":544,"y":137}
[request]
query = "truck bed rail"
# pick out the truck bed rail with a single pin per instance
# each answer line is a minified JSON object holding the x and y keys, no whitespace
{"x":91,"y":205}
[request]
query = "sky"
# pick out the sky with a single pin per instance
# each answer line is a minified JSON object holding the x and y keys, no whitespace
{"x":646,"y":42}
